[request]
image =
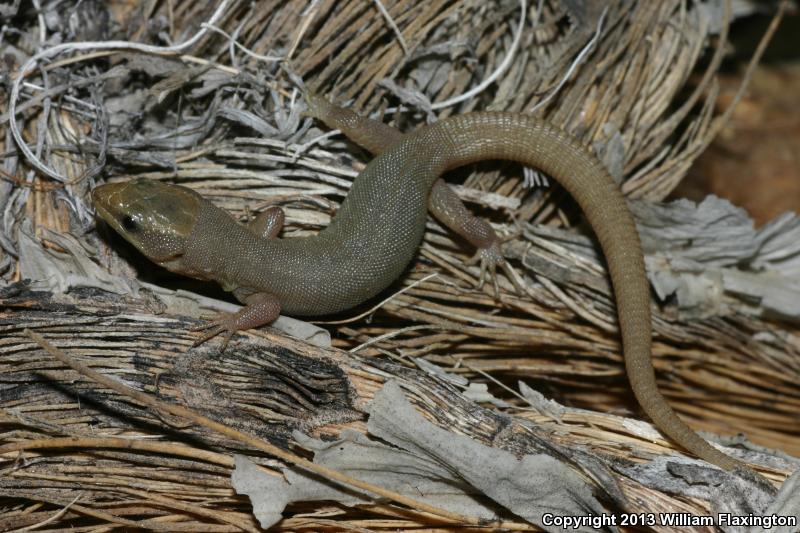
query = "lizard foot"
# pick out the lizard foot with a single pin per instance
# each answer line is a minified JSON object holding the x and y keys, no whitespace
{"x":261,"y":309}
{"x":490,"y":257}
{"x":222,"y":323}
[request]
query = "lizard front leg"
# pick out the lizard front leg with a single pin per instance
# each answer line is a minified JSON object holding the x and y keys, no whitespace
{"x":260,"y":309}
{"x":268,"y":223}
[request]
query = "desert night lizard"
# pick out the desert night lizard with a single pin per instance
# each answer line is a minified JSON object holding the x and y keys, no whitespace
{"x":379,"y":226}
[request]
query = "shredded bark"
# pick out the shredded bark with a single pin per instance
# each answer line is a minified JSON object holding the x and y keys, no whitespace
{"x":223,"y":115}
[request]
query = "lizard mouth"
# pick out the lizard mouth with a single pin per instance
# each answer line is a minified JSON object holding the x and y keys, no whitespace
{"x":103,"y":200}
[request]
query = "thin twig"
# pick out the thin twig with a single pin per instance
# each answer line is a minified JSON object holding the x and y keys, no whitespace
{"x":382,"y":303}
{"x":234,"y":42}
{"x":49,"y":520}
{"x":179,"y":450}
{"x":390,"y":21}
{"x":308,"y":17}
{"x":723,"y":120}
{"x":390,"y":335}
{"x":574,"y":65}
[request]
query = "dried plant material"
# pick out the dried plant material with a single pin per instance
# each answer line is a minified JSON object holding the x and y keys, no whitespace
{"x":65,"y":267}
{"x":713,"y":232}
{"x":711,"y":257}
{"x":739,"y":504}
{"x":269,"y":388}
{"x":543,"y":405}
{"x":479,"y":393}
{"x":440,"y":373}
{"x":361,"y":457}
{"x":224,"y":117}
{"x":529,"y":487}
{"x":448,"y":470}
{"x":787,"y":503}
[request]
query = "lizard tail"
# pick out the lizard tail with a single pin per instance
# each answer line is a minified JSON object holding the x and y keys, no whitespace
{"x":481,"y":136}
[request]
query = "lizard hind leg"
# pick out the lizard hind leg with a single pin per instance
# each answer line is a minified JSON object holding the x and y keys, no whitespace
{"x":447,"y":207}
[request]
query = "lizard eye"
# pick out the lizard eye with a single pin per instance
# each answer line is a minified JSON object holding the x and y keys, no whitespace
{"x":129,"y":223}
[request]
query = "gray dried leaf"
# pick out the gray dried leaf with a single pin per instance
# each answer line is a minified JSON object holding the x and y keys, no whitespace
{"x":711,"y":258}
{"x":775,"y":294}
{"x":439,"y":372}
{"x":210,"y":81}
{"x":739,"y":497}
{"x":479,"y":393}
{"x":447,"y":470}
{"x":121,"y":108}
{"x":356,"y":455}
{"x":785,"y":504}
{"x":731,"y":494}
{"x":779,"y":245}
{"x":430,"y":73}
{"x":538,"y":401}
{"x":412,"y":97}
{"x":305,"y":331}
{"x":247,"y":119}
{"x":713,"y":232}
{"x":698,"y":290}
{"x":9,"y":10}
{"x":677,"y":474}
{"x":529,"y":487}
{"x":58,"y":271}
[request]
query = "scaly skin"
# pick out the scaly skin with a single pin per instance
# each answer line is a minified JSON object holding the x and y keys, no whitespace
{"x":378,"y":228}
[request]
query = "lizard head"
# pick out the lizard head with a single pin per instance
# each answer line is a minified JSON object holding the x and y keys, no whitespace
{"x":157,"y":218}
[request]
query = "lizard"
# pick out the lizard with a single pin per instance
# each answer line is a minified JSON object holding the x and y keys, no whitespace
{"x":379,"y":226}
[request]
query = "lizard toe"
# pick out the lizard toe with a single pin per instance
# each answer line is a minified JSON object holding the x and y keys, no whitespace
{"x":489,"y":258}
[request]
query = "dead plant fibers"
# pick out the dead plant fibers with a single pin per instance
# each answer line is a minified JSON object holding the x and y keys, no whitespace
{"x":208,"y":95}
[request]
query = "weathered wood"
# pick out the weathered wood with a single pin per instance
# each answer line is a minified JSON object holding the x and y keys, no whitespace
{"x":266,"y":384}
{"x":724,"y":360}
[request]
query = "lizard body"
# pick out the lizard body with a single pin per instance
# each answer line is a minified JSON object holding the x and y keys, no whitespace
{"x":379,"y":226}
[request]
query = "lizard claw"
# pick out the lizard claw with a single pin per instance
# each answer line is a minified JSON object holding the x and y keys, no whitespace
{"x":490,"y":257}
